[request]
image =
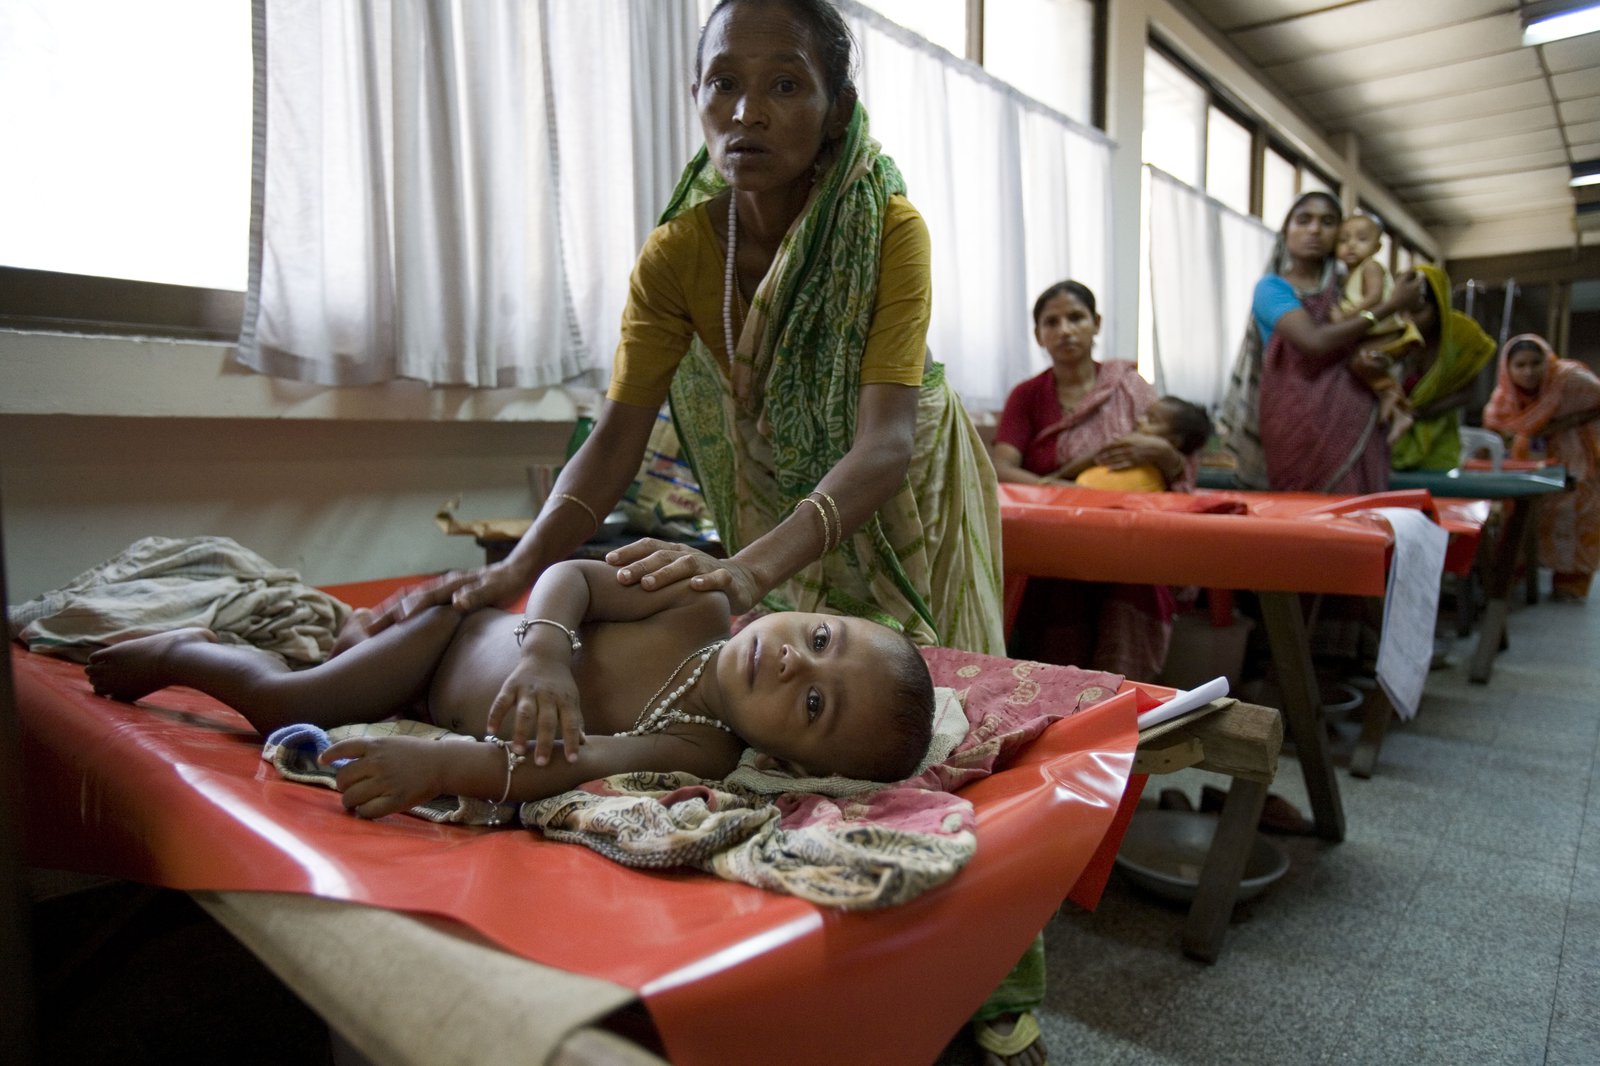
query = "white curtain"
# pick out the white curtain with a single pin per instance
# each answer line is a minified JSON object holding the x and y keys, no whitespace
{"x":1203,"y":261}
{"x":454,"y":190}
{"x":1016,"y":197}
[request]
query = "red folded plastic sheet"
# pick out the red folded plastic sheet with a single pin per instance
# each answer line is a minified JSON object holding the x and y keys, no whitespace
{"x":1284,"y":542}
{"x":172,"y":792}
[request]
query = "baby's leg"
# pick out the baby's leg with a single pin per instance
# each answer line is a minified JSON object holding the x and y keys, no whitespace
{"x":371,"y":681}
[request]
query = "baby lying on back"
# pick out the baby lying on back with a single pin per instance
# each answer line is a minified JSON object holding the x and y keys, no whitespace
{"x":596,"y":679}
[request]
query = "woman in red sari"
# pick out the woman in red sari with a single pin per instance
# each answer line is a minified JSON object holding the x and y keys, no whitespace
{"x":1076,"y":409}
{"x":1540,"y":397}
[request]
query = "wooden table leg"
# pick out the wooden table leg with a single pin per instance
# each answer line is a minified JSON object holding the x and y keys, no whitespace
{"x":1207,"y":922}
{"x":1466,"y":602}
{"x":1509,"y":547}
{"x":1302,"y":708}
{"x":1375,"y":715}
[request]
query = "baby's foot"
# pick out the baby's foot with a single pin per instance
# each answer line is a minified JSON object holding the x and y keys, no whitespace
{"x":135,"y":668}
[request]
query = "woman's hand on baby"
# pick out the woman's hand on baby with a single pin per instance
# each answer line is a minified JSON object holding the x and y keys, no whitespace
{"x":384,"y":774}
{"x":541,"y":702}
{"x":1131,"y":450}
{"x":1371,"y":363}
{"x":1410,"y":290}
{"x":654,"y":564}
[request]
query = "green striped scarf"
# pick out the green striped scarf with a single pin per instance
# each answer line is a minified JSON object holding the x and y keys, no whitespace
{"x":927,"y":561}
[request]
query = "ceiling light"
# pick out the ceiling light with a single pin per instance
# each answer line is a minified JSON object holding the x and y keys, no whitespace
{"x":1543,"y":23}
{"x":1585,"y":173}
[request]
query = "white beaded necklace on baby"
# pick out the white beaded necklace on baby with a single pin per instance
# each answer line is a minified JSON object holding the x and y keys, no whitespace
{"x":656,"y":717}
{"x":728,"y":280}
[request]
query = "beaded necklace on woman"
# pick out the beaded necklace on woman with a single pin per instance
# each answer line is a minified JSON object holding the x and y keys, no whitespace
{"x":728,"y":282}
{"x":657,"y":717}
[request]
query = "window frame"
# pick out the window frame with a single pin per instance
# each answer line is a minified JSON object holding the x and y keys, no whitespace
{"x":48,"y":301}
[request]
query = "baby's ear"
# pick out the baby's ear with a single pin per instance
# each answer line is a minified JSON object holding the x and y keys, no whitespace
{"x":771,"y":764}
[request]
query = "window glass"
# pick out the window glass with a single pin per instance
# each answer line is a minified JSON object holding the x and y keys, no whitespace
{"x":1312,"y":180}
{"x":1228,"y":147}
{"x":1277,"y":187}
{"x":944,"y":22}
{"x":135,"y":122}
{"x":1174,"y":120}
{"x":1046,"y":49}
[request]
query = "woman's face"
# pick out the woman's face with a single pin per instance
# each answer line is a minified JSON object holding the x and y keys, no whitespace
{"x":762,"y":98}
{"x":1311,"y":229}
{"x":1066,"y":329}
{"x":1525,"y":366}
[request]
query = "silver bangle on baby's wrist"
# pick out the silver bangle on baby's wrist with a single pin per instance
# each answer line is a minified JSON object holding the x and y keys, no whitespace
{"x":528,"y":623}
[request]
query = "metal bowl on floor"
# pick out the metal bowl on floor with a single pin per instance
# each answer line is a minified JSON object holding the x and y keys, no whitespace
{"x":1163,"y":852}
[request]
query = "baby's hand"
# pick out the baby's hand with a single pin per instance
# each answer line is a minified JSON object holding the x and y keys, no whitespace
{"x":385,"y":774}
{"x":540,"y":700}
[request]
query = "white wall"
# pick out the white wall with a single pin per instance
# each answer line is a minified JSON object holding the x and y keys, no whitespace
{"x":104,"y":441}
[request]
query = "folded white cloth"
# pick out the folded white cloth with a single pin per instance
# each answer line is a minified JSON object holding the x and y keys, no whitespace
{"x":163,"y":583}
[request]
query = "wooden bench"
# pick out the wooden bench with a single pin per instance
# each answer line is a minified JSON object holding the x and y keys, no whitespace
{"x":1242,"y":741}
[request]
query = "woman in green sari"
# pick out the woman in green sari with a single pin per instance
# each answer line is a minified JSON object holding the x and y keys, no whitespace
{"x":783,"y":303}
{"x":1438,"y":379}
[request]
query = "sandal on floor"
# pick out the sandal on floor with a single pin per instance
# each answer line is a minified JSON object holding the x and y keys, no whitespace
{"x":1022,"y":1036}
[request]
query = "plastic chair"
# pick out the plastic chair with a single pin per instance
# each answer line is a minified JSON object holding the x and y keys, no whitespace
{"x":1476,"y":440}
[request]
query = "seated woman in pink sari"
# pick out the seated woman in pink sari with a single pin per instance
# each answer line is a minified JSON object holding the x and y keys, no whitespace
{"x":1081,"y":408}
{"x":1551,"y":404}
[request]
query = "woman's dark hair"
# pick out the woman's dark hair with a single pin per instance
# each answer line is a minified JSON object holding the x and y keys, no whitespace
{"x":1075,"y":289}
{"x":835,"y":46}
{"x":1522,"y":344}
{"x":1431,"y":331}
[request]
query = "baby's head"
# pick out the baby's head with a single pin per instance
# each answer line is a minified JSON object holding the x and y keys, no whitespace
{"x":829,"y":695}
{"x":1183,"y":425}
{"x":1359,"y":238}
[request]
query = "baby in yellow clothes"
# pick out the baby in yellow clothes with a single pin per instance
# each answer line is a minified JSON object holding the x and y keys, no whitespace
{"x":1184,"y":425}
{"x":1368,"y":285}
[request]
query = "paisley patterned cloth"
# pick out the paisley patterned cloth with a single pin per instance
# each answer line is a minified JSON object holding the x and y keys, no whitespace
{"x":928,"y":561}
{"x":856,"y":850}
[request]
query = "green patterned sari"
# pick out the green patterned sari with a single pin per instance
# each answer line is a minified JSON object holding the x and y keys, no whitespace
{"x":928,"y":561}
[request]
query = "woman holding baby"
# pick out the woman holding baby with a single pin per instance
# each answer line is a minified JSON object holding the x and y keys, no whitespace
{"x":1300,"y":414}
{"x":1081,"y":408}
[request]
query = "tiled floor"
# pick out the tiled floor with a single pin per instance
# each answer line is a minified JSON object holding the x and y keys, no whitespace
{"x":1458,"y":923}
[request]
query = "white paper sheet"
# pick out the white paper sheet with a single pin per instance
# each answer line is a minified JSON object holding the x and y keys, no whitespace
{"x":1411,"y":606}
{"x":1184,"y":702}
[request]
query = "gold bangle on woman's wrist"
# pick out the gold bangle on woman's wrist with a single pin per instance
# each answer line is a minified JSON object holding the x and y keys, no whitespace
{"x":573,"y":499}
{"x":826,"y":535}
{"x":832,"y":530}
